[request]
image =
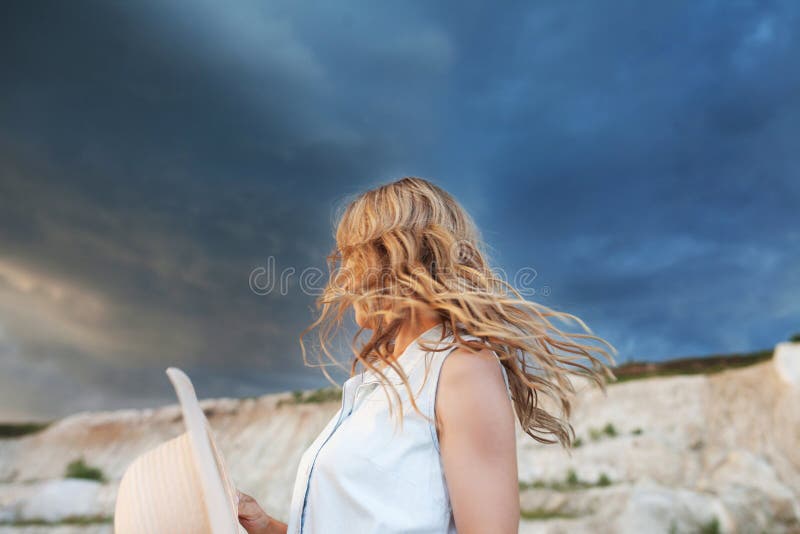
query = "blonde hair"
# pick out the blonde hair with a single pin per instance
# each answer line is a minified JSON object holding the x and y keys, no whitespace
{"x":407,"y":247}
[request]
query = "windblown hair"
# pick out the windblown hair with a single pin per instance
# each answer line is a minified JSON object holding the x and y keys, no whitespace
{"x":408,"y":247}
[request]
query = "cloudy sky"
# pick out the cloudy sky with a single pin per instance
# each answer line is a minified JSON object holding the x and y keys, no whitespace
{"x":153,"y":154}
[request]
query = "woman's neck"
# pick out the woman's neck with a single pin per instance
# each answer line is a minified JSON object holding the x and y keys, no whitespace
{"x":411,"y":330}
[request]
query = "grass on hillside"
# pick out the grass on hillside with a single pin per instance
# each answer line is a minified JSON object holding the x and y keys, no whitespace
{"x":688,"y":366}
{"x":571,"y":482}
{"x":80,"y":469}
{"x":316,"y":396}
{"x":70,"y":520}
{"x":542,"y":514}
{"x":15,"y":430}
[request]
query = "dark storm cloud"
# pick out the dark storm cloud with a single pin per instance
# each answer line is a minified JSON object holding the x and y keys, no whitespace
{"x":154,"y":153}
{"x":151,"y":159}
{"x":646,"y":164}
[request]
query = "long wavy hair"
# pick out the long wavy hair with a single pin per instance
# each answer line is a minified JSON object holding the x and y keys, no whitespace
{"x":408,"y":247}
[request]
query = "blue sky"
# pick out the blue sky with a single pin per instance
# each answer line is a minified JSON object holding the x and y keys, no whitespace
{"x":643,"y":160}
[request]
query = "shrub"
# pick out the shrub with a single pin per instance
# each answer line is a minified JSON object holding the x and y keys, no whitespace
{"x":69,"y":520}
{"x":533,"y":484}
{"x":323,"y":395}
{"x":79,"y":469}
{"x":317,"y":396}
{"x":570,"y":483}
{"x":597,"y":433}
{"x":711,"y":527}
{"x":543,"y":514}
{"x":15,"y":430}
{"x":572,"y":478}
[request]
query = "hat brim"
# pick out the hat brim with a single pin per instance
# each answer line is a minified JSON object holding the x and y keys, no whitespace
{"x":218,"y":489}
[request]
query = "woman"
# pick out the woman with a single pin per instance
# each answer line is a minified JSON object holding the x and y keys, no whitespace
{"x":457,"y":352}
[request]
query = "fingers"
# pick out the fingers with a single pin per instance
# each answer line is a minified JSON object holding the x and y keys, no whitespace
{"x":247,"y":505}
{"x":251,"y":516}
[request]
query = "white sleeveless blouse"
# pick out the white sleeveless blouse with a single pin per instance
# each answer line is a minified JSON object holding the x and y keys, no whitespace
{"x":364,"y":474}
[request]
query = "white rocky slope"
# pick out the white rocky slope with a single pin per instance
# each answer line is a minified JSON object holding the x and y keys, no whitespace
{"x":698,"y":453}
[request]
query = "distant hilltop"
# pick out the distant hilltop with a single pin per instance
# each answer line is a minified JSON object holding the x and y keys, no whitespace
{"x":692,"y":365}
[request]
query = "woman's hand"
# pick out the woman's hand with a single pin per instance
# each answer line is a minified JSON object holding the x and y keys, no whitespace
{"x":251,"y":516}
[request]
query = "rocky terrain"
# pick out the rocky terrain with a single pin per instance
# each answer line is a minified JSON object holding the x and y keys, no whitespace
{"x":706,"y":452}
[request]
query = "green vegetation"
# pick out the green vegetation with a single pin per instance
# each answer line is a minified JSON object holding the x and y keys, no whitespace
{"x":795,"y":338}
{"x":572,"y":478}
{"x":711,"y":527}
{"x":538,"y":484}
{"x":15,"y":430}
{"x":79,"y":469}
{"x":570,"y":482}
{"x":324,"y":395}
{"x":687,"y":366}
{"x":577,"y":443}
{"x":533,"y":514}
{"x":636,"y":431}
{"x":71,"y":520}
{"x":597,"y":433}
{"x":327,"y":394}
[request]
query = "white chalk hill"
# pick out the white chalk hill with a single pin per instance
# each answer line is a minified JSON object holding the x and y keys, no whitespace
{"x":694,"y":453}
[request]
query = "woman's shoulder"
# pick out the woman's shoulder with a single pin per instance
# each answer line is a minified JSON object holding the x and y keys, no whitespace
{"x":473,"y":401}
{"x":466,"y":369}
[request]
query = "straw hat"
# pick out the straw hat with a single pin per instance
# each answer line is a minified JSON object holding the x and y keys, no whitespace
{"x":182,"y":485}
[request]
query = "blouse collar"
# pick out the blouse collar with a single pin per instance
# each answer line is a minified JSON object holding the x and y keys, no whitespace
{"x":408,"y":360}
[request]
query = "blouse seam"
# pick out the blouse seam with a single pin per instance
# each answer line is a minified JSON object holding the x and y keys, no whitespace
{"x":431,"y":404}
{"x":432,"y":395}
